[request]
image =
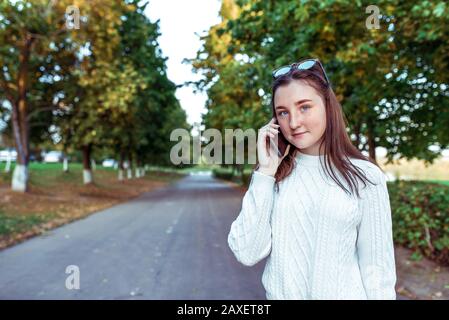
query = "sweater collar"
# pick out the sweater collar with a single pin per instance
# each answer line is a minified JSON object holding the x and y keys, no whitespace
{"x":309,"y":160}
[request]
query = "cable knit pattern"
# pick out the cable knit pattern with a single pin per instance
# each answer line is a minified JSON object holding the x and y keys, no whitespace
{"x":321,"y":242}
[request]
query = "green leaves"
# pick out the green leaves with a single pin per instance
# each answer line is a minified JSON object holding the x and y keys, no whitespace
{"x":440,"y":10}
{"x":103,"y":84}
{"x":421,"y":217}
{"x":377,"y":74}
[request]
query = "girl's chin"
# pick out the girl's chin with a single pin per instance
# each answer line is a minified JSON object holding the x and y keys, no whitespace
{"x":299,"y":140}
{"x":299,"y":145}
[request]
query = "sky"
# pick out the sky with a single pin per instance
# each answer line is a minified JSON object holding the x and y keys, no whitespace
{"x":181,"y":23}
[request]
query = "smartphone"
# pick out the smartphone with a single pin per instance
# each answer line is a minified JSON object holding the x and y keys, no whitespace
{"x":282,"y":142}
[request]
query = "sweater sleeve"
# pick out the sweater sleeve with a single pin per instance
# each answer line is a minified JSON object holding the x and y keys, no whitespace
{"x":375,"y":241}
{"x":250,"y":234}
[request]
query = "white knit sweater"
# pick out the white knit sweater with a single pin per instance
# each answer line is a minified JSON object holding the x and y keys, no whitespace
{"x":321,"y":242}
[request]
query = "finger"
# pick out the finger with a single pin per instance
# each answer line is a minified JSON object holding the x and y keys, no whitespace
{"x":267,"y":147}
{"x":265,"y":127}
{"x":269,"y":130}
{"x":268,"y":124}
{"x":273,"y":138}
{"x":273,"y":149}
{"x":265,"y":131}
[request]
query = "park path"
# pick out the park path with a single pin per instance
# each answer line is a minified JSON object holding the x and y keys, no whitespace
{"x":167,"y":244}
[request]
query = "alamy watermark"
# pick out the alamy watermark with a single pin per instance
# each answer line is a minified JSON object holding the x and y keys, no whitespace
{"x":372,"y":21}
{"x":72,"y":282}
{"x":72,"y":17}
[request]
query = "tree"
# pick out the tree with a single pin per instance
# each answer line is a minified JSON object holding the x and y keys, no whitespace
{"x":28,"y":33}
{"x":228,"y":80}
{"x":375,"y":73}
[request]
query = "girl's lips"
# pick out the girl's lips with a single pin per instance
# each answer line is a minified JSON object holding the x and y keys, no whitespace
{"x":299,"y":135}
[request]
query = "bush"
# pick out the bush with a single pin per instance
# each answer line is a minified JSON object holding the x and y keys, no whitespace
{"x":223,"y":174}
{"x":246,"y":178}
{"x":420,"y":214}
{"x":226,"y":174}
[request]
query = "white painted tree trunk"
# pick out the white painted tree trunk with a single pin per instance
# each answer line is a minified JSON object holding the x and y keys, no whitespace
{"x":20,"y":178}
{"x":65,"y":165}
{"x":8,"y":164}
{"x":121,"y":175}
{"x":137,"y":172}
{"x":87,"y":176}
{"x":130,"y":173}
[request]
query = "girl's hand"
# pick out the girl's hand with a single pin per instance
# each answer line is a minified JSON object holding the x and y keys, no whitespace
{"x":267,"y":150}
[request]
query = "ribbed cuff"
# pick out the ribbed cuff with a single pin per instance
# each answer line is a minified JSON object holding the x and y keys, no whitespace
{"x":263,"y":182}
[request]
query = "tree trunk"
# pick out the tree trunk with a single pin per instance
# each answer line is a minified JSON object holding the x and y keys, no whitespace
{"x":121,"y":167}
{"x":8,"y":163}
{"x":357,"y":135}
{"x":20,"y":178}
{"x":241,"y":169}
{"x":87,"y":169}
{"x":19,"y":120}
{"x":138,"y":170}
{"x":371,"y":141}
{"x":130,"y":166}
{"x":65,"y":165}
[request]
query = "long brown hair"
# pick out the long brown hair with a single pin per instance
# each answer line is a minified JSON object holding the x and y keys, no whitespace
{"x":338,"y":147}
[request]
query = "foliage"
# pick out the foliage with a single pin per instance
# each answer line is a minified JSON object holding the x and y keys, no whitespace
{"x":421,"y":217}
{"x":392,"y":82}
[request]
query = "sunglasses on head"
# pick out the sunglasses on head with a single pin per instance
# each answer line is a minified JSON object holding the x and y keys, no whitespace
{"x":303,"y":65}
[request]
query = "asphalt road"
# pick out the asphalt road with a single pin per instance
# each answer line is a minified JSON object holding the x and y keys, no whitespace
{"x":167,"y":244}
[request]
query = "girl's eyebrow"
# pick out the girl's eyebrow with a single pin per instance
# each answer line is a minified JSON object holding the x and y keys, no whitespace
{"x":297,"y":103}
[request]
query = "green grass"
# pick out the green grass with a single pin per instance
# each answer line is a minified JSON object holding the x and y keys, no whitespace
{"x":40,"y":172}
{"x":46,"y":174}
{"x":180,"y":170}
{"x":445,"y":182}
{"x":57,"y":167}
{"x":47,"y":168}
{"x":51,"y":174}
{"x":16,"y":223}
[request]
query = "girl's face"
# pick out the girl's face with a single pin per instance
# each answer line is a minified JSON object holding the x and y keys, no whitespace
{"x":300,"y":109}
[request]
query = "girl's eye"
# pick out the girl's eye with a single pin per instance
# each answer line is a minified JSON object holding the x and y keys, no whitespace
{"x":304,"y":107}
{"x":280,"y":113}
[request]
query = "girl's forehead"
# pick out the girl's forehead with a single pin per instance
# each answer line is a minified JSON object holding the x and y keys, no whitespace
{"x":295,"y":91}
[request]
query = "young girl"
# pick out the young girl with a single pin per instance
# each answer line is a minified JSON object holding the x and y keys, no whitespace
{"x":326,"y":235}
